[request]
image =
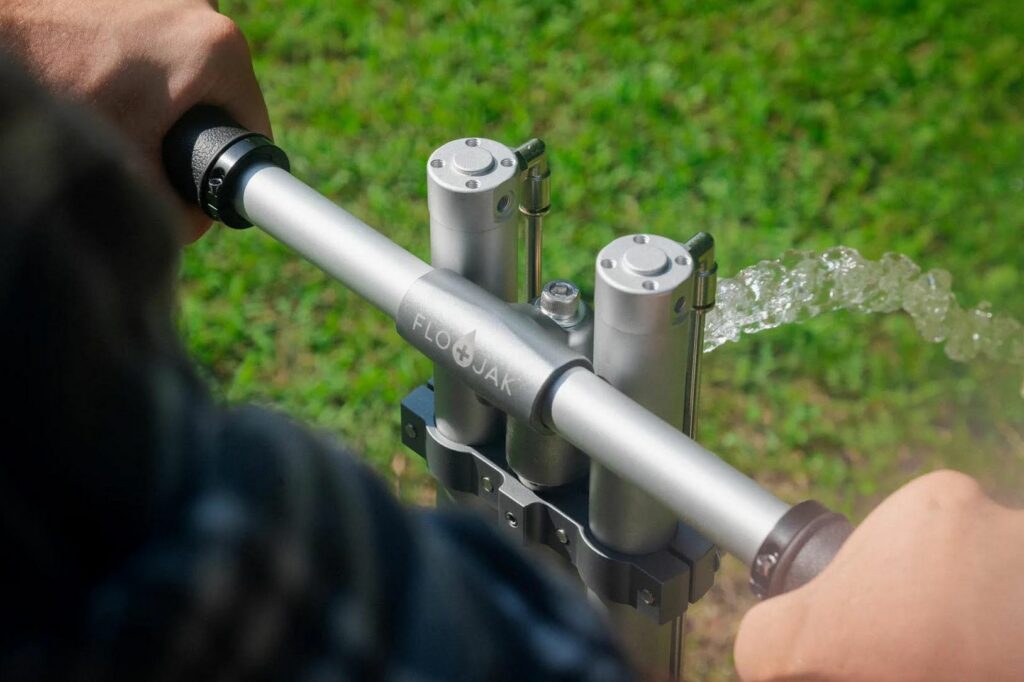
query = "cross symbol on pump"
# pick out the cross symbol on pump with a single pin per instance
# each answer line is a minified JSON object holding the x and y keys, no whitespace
{"x":462,"y":353}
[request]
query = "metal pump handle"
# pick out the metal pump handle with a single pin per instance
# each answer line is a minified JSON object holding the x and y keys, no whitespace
{"x":241,"y":178}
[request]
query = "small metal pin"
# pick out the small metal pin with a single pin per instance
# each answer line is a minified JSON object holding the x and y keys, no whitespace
{"x":487,"y":484}
{"x":765,"y":563}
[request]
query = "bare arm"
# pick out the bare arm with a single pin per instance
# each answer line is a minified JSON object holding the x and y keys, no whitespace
{"x":929,"y":587}
{"x":142,"y":64}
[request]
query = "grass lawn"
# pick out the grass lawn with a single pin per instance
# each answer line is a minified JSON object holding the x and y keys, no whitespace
{"x":887,"y":126}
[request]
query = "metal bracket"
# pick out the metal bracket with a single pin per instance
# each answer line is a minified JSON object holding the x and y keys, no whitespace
{"x":660,"y":585}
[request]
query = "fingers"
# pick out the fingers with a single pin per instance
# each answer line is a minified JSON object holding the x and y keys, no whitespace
{"x":230,"y":80}
{"x":223,"y":76}
{"x":197,"y":224}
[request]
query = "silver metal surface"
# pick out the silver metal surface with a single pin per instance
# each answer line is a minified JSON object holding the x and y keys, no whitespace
{"x":471,"y":193}
{"x":560,"y":300}
{"x":534,"y":204}
{"x":659,"y":586}
{"x":542,"y":460}
{"x":507,"y":357}
{"x":702,"y":249}
{"x":724,"y":505}
{"x":728,"y":508}
{"x":334,"y":240}
{"x":641,"y":339}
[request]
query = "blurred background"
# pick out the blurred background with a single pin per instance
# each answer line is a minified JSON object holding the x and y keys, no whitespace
{"x":886,"y":126}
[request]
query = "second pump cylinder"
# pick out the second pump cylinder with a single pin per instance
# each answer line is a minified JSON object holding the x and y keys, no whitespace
{"x":643,"y":294}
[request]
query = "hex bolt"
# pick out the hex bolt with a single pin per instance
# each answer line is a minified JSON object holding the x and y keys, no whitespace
{"x":646,"y":597}
{"x":562,"y":536}
{"x":560,"y":300}
{"x":511,"y":518}
{"x":487,"y":484}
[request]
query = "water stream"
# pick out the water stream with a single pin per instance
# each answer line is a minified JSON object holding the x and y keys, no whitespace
{"x":802,"y":285}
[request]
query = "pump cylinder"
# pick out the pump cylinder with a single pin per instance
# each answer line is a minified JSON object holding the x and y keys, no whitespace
{"x":543,"y":460}
{"x":643,"y":292}
{"x":643,"y":296}
{"x":471,"y":195}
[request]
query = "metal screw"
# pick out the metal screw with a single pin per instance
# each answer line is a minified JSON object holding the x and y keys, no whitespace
{"x":472,"y":142}
{"x":472,"y":184}
{"x":487,"y":484}
{"x":764,"y":563}
{"x":410,"y":430}
{"x":562,"y":536}
{"x":511,"y":518}
{"x":646,"y":597}
{"x":437,"y":163}
{"x":507,"y":163}
{"x":560,"y":300}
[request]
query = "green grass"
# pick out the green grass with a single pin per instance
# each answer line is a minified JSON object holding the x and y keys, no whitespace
{"x":887,"y":126}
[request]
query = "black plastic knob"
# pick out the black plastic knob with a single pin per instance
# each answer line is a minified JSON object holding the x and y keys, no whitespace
{"x":205,"y":155}
{"x":802,"y":544}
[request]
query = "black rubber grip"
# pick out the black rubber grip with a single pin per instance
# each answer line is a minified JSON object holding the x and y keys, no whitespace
{"x":802,"y":544}
{"x":206,"y":152}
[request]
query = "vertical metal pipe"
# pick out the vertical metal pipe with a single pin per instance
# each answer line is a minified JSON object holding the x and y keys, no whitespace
{"x":534,"y":251}
{"x":534,"y":204}
{"x":471,"y":194}
{"x":644,"y":290}
{"x":702,"y":250}
{"x":542,"y":460}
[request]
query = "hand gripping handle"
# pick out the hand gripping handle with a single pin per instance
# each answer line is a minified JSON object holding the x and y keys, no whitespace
{"x":206,"y":152}
{"x":799,"y":547}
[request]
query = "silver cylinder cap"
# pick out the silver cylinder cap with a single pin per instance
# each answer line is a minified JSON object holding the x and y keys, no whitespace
{"x":643,"y":283}
{"x":472,"y":164}
{"x":471,"y":185}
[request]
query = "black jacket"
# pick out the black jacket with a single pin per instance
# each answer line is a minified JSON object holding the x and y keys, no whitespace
{"x":151,"y":534}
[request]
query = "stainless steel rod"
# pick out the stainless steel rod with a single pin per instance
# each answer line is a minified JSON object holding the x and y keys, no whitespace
{"x":331,"y":238}
{"x":726,"y":506}
{"x":534,"y":254}
{"x":731,"y":510}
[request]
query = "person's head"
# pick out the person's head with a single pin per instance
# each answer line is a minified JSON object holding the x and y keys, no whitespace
{"x":88,"y":260}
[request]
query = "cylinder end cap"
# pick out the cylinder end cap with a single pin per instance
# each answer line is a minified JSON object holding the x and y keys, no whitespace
{"x":473,"y":161}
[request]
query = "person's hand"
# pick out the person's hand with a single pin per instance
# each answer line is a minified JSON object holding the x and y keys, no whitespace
{"x":929,"y":587}
{"x":141,"y":63}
